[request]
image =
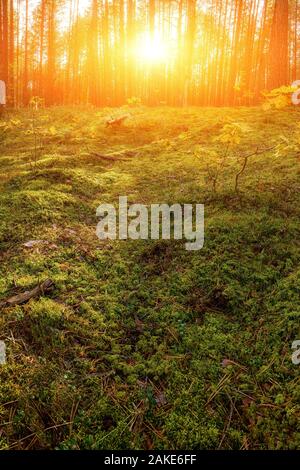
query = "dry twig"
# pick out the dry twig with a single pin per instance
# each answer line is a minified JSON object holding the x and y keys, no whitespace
{"x":40,"y":289}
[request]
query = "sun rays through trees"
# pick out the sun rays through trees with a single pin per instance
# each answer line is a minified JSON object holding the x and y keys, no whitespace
{"x":174,"y":52}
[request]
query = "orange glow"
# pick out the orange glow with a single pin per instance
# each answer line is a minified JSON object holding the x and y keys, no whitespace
{"x":106,"y":52}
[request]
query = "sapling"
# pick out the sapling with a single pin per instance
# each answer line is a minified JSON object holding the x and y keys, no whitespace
{"x":216,"y":161}
{"x":35,"y":104}
{"x":245,"y":159}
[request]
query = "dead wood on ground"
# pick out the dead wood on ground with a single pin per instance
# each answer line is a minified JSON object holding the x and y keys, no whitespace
{"x":41,"y":289}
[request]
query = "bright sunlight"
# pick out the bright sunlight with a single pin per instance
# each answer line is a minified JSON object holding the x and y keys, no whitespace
{"x":152,"y":50}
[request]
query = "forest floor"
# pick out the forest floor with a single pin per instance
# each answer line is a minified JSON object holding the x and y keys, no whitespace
{"x":143,"y":344}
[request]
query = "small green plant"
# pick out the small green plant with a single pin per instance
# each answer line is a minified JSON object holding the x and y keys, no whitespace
{"x":278,"y":98}
{"x":134,"y":101}
{"x":35,"y":129}
{"x":231,"y":135}
{"x":217,"y":160}
{"x":245,"y":159}
{"x":36,"y":102}
{"x":6,"y":126}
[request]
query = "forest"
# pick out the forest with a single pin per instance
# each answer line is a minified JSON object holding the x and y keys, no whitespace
{"x":104,"y":53}
{"x":133,"y":342}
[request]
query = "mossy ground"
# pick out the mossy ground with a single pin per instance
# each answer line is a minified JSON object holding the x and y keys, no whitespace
{"x":133,"y":349}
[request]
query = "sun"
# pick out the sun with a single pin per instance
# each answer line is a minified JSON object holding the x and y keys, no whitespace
{"x":152,"y":50}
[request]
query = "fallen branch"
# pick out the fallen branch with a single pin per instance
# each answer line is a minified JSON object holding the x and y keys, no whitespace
{"x":41,"y":289}
{"x":134,"y":152}
{"x":126,"y":153}
{"x":117,"y":121}
{"x":115,"y":155}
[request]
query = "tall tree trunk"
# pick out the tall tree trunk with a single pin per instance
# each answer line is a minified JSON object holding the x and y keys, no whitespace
{"x":93,"y":57}
{"x":4,"y":42}
{"x":11,"y":77}
{"x":26,"y":60}
{"x":278,"y":52}
{"x":190,"y":37}
{"x":42,"y":29}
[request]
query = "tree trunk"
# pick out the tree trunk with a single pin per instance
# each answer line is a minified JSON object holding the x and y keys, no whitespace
{"x":278,"y":52}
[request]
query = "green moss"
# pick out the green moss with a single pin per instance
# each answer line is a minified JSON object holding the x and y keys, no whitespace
{"x":143,"y":343}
